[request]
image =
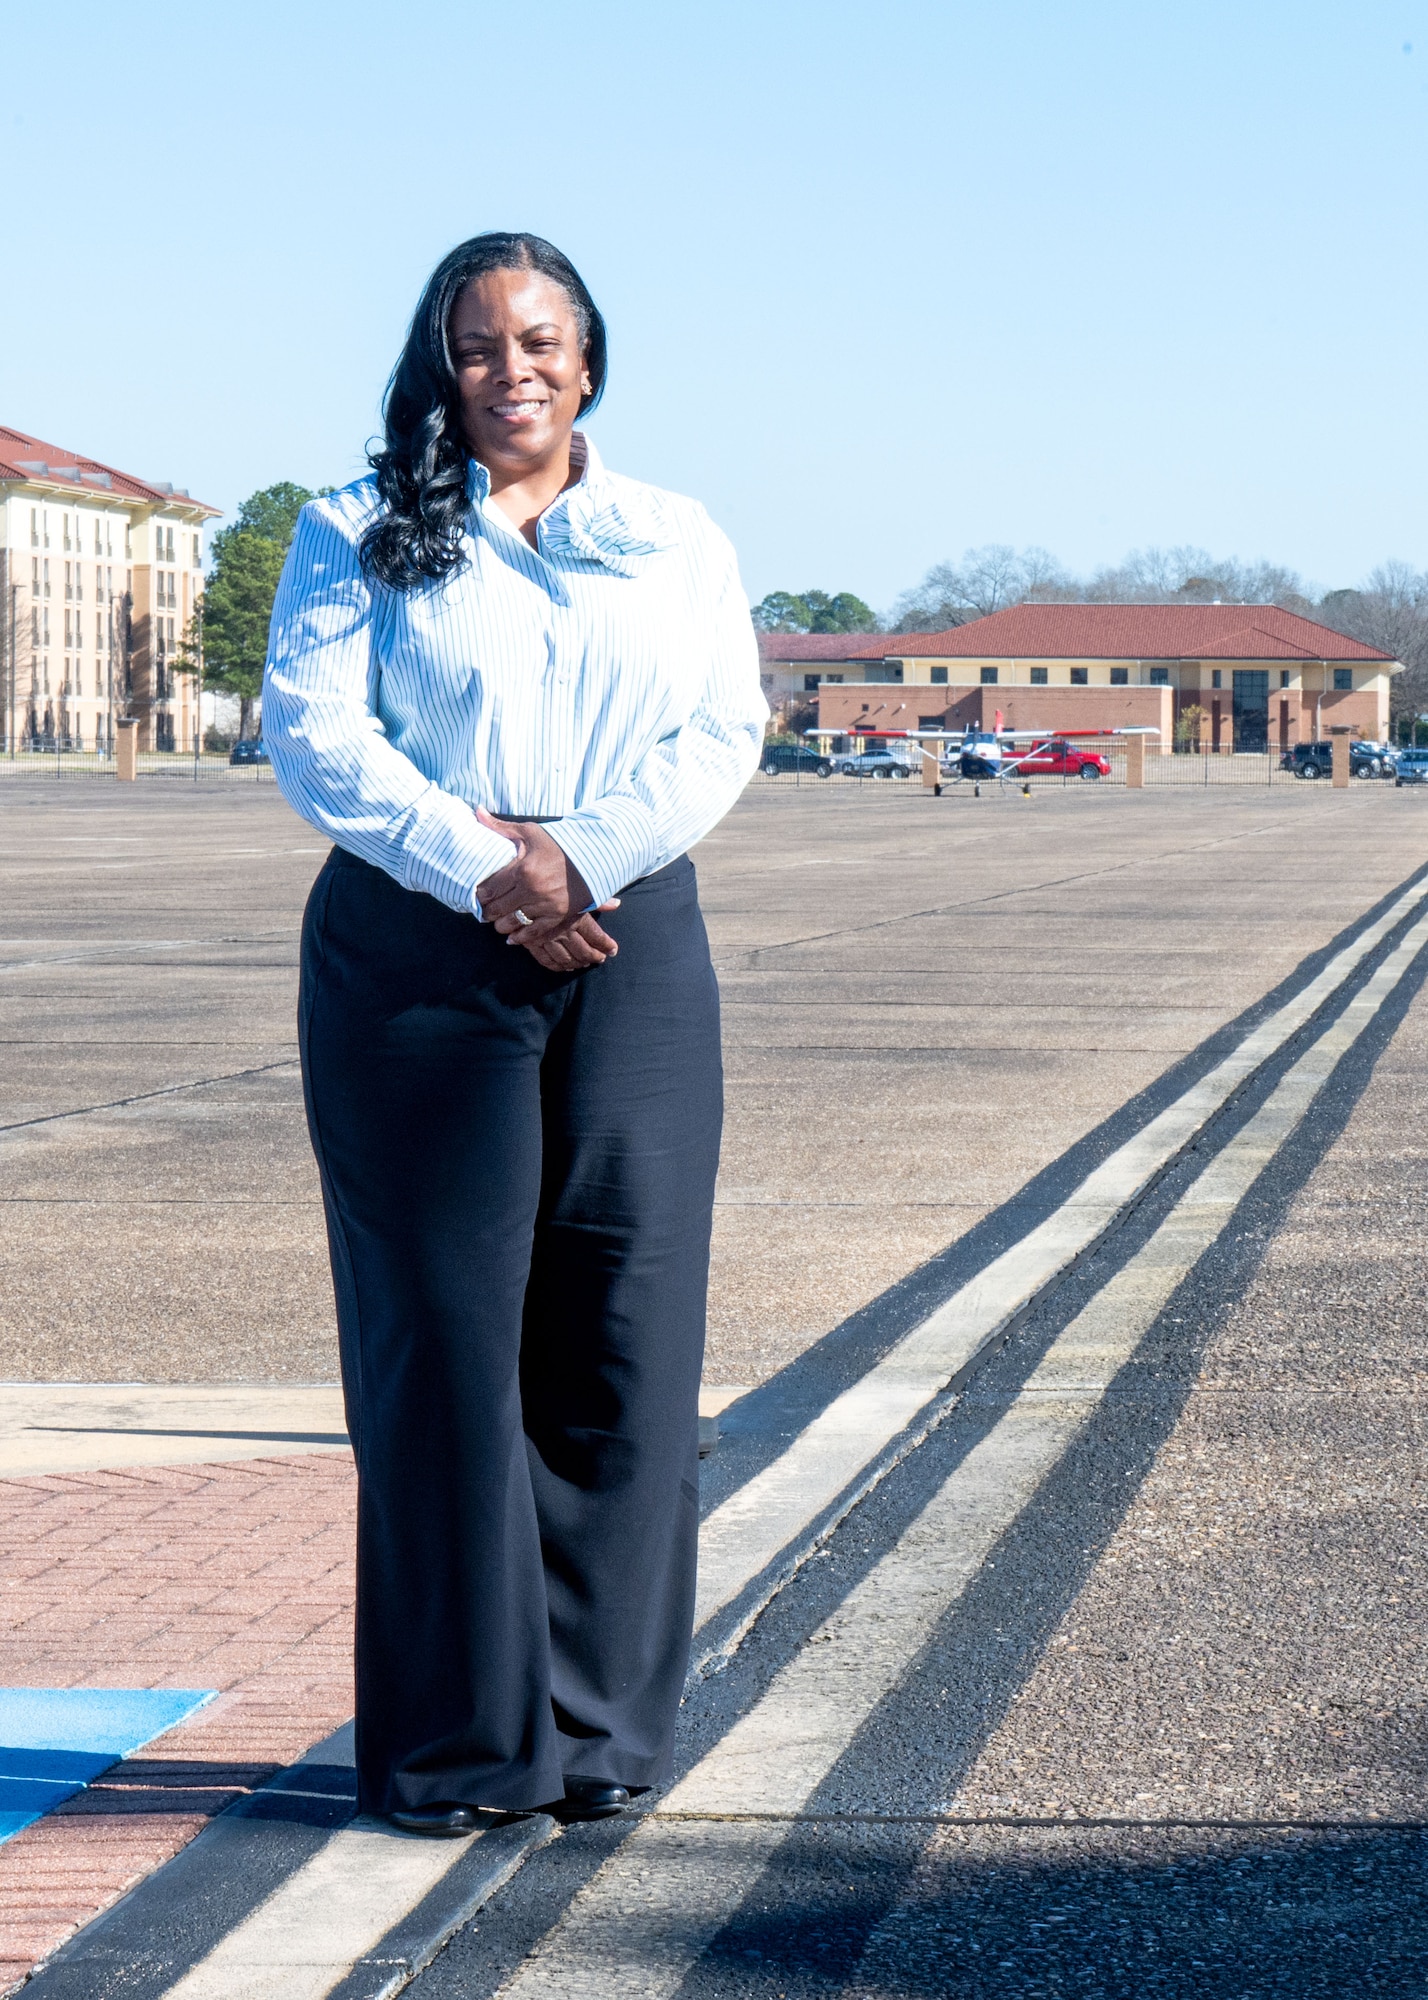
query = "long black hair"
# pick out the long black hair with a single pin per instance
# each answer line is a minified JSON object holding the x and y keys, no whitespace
{"x":421,"y":471}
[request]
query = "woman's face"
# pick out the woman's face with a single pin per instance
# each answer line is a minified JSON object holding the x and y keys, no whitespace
{"x":520,"y":368}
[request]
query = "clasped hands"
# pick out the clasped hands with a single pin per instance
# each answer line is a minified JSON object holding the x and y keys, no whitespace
{"x":544,"y":885}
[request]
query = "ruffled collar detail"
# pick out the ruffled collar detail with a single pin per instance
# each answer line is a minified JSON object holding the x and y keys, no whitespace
{"x":619,"y":527}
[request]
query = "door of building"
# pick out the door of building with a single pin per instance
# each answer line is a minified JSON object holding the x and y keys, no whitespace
{"x":1251,"y":708}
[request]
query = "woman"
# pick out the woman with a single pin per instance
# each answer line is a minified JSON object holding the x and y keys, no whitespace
{"x":513,"y":688}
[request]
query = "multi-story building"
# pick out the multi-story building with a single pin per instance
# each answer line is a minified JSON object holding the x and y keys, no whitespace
{"x":100,"y":575}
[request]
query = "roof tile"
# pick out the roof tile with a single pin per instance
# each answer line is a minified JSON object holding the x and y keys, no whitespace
{"x":1135,"y":632}
{"x":1090,"y":632}
{"x":21,"y":456}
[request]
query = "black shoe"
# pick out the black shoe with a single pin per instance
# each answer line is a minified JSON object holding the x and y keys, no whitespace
{"x":443,"y":1822}
{"x":590,"y":1798}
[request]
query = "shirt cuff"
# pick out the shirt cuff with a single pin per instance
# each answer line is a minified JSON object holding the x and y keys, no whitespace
{"x":450,"y":853}
{"x":612,"y":845}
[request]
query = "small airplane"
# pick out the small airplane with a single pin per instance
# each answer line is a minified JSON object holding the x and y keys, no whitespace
{"x":977,"y":755}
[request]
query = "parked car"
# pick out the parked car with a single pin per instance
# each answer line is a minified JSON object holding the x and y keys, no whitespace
{"x":249,"y":750}
{"x":875,"y":764}
{"x":795,"y":757}
{"x":1316,"y":760}
{"x":1055,"y":759}
{"x":1412,"y":768}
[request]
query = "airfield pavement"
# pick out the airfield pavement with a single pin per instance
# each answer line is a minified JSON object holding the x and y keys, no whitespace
{"x":1111,"y":1681}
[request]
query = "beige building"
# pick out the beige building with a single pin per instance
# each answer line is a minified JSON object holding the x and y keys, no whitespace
{"x":100,"y":574}
{"x":1227,"y":676}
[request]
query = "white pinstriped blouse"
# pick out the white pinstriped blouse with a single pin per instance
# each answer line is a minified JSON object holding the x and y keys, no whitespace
{"x":610,"y":679}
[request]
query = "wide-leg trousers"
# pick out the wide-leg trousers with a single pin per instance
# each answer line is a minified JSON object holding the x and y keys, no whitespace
{"x":518,"y":1171}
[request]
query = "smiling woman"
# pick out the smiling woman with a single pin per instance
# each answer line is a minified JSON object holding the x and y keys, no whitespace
{"x":514,"y":688}
{"x":421,"y":475}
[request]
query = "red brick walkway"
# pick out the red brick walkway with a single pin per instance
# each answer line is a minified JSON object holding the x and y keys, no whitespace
{"x":236,"y":1577}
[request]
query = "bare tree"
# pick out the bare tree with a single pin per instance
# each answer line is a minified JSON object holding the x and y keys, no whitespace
{"x":1187,"y":575}
{"x":986,"y":580}
{"x":1390,"y":611}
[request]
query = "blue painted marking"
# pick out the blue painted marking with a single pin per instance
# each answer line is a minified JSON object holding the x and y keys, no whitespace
{"x":53,"y":1741}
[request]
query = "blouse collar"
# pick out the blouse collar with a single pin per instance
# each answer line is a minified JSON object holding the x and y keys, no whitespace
{"x":617,"y":525}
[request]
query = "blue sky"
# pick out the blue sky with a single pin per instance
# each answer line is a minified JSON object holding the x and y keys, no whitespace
{"x":884,"y":280}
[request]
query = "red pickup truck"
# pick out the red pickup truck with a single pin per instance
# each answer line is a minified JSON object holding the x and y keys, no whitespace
{"x":1055,"y":758}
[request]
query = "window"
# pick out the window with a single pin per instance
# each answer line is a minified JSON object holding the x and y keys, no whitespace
{"x":1343,"y":680}
{"x":78,"y":584}
{"x":1160,"y":677}
{"x":1080,"y":677}
{"x":128,"y":541}
{"x":939,"y":677}
{"x":98,"y":538}
{"x":198,"y":551}
{"x":1120,"y":677}
{"x":833,"y":677}
{"x":34,"y":576}
{"x":67,"y":630}
{"x":35,"y":626}
{"x":810,"y":683}
{"x":1284,"y":677}
{"x":99,"y":631}
{"x":989,"y":676}
{"x":46,"y":525}
{"x":1038,"y":677}
{"x":66,"y":530}
{"x":34,"y":527}
{"x":1217,"y":679}
{"x":170,"y":545}
{"x":930,"y":721}
{"x":47,"y":576}
{"x":68,"y":577}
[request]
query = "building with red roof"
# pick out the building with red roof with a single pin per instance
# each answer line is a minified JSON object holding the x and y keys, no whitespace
{"x":1237,"y":676}
{"x":100,"y":576}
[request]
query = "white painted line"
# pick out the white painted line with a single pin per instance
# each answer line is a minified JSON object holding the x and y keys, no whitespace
{"x":640,"y":1924}
{"x":310,"y":1933}
{"x":764,"y":1520}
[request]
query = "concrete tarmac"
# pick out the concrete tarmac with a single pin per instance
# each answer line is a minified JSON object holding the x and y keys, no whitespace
{"x":1111,"y":1682}
{"x":1148,"y":1722}
{"x":926,"y":1002}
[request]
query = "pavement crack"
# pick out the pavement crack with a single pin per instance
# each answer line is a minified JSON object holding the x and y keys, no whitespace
{"x":146,"y":1096}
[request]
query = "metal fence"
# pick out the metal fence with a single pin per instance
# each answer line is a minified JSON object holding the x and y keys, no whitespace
{"x":1201,"y":770}
{"x":209,"y":767}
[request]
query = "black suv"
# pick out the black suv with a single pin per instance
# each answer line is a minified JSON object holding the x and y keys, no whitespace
{"x":794,"y":757}
{"x":248,"y":751}
{"x":1316,"y":760}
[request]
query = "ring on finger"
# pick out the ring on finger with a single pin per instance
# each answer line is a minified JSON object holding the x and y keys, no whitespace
{"x":521,"y":918}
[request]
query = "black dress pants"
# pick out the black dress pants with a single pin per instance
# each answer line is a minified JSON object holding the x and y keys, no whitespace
{"x":518,"y":1169}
